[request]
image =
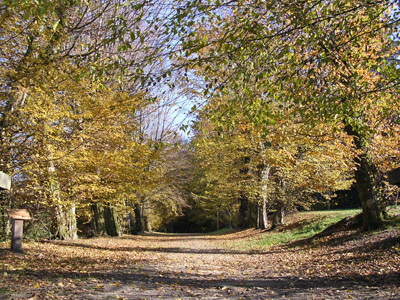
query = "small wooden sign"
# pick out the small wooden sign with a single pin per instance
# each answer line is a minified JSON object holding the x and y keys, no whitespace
{"x":18,"y":217}
{"x":19,"y":214}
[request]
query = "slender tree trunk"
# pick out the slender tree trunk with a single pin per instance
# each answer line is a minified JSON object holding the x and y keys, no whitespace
{"x":72,"y":223}
{"x":259,"y":217}
{"x":111,"y":221}
{"x":369,"y":184}
{"x":265,"y":170}
{"x":264,"y":215}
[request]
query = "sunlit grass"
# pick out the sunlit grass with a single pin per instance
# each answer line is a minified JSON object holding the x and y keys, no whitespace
{"x":222,"y":231}
{"x":393,"y":217}
{"x":300,"y":226}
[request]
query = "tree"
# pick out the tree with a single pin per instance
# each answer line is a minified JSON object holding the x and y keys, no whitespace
{"x":335,"y":62}
{"x":278,"y":171}
{"x":69,"y":129}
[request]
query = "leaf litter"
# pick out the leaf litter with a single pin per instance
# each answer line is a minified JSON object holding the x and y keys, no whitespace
{"x":344,"y":265}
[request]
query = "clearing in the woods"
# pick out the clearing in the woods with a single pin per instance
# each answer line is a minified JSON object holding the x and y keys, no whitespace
{"x":249,"y":264}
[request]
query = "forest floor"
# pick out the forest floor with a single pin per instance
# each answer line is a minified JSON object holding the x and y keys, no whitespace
{"x":344,"y":265}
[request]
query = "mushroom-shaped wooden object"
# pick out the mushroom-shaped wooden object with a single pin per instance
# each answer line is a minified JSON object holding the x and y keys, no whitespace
{"x":18,"y":217}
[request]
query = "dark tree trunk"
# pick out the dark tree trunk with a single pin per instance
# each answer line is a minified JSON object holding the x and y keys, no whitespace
{"x":97,"y":222}
{"x":253,"y":215}
{"x":369,"y":184}
{"x":244,"y":212}
{"x":369,"y":190}
{"x":111,"y":221}
{"x":132,"y":227}
{"x":259,"y":217}
{"x":138,"y":228}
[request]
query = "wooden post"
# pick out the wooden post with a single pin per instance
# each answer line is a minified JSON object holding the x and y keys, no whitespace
{"x":16,"y":238}
{"x":18,"y":216}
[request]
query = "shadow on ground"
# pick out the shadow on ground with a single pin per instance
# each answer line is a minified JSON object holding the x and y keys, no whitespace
{"x":133,"y":284}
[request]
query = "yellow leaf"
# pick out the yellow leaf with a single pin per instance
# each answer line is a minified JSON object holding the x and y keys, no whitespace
{"x":117,"y":283}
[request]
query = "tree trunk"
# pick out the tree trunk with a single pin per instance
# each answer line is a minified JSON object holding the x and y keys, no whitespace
{"x":278,"y":217}
{"x":111,"y":221}
{"x":97,"y":222}
{"x":132,"y":229}
{"x":369,"y":184}
{"x":244,"y":212}
{"x":264,"y":177}
{"x":72,"y":223}
{"x":66,"y":224}
{"x":147,"y":225}
{"x":264,"y":215}
{"x":259,"y":217}
{"x":138,"y":228}
{"x":253,"y":208}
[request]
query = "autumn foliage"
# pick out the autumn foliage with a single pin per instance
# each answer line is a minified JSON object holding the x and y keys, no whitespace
{"x":291,"y":103}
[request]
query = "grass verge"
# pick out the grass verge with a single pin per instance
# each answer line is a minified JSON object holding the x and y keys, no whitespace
{"x":222,"y":231}
{"x":300,"y":226}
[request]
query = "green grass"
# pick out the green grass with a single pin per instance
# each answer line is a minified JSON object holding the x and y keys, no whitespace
{"x":394,"y":217}
{"x":222,"y":231}
{"x":300,"y":226}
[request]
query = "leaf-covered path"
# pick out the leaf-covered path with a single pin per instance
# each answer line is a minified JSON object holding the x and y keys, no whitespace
{"x":202,"y":267}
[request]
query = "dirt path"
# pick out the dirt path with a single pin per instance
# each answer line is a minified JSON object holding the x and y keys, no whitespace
{"x":201,"y":267}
